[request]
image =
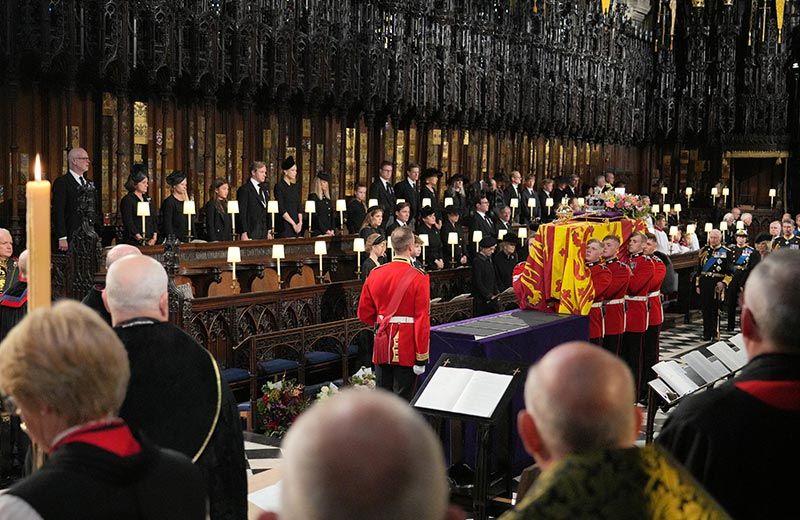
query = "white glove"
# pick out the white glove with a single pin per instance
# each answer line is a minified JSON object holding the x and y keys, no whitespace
{"x":418,"y":369}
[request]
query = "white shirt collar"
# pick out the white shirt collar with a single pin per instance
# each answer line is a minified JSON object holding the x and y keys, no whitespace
{"x":78,"y":177}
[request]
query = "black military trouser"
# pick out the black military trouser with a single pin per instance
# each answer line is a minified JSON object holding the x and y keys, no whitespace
{"x":397,"y":379}
{"x":612,"y":343}
{"x":732,"y":301}
{"x":710,"y":306}
{"x":650,"y":354}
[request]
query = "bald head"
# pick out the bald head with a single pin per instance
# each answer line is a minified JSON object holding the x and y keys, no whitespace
{"x":22,"y":263}
{"x":136,"y":287}
{"x":580,"y":398}
{"x":380,"y":461}
{"x":771,"y":311}
{"x":119,"y":251}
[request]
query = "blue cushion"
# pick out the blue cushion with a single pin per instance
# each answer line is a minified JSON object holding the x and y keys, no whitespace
{"x":232,"y":375}
{"x":316,"y":357}
{"x":244,"y":407}
{"x":275,"y":366}
{"x":352,"y":349}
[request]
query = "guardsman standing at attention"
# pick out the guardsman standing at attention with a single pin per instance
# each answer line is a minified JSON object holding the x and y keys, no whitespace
{"x":396,"y":297}
{"x":614,"y":305}
{"x":636,"y":307}
{"x":745,"y":258}
{"x":601,"y":281}
{"x":715,"y":274}
{"x":655,"y":314}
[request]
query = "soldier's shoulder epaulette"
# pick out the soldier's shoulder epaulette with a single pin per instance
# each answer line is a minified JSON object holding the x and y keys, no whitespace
{"x":381,"y":265}
{"x":421,"y":270}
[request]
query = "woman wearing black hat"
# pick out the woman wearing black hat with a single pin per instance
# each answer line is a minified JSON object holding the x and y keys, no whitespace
{"x":219,"y":226}
{"x":430,"y":177}
{"x":132,"y":232}
{"x":322,"y":223}
{"x":455,"y":190}
{"x":376,"y":248}
{"x":173,"y":221}
{"x":287,"y":192}
{"x":433,"y":258}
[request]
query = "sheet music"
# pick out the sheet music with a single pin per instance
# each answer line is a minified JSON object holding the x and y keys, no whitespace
{"x":730,"y":358}
{"x":464,"y":391}
{"x":667,"y":393}
{"x":267,"y":499}
{"x":738,"y":340}
{"x":708,"y":370}
{"x":672,"y":374}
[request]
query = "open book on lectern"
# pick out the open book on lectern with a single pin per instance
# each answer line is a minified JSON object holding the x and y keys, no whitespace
{"x":468,"y":387}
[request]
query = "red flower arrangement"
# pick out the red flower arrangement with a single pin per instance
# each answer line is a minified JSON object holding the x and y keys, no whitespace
{"x":282,"y":402}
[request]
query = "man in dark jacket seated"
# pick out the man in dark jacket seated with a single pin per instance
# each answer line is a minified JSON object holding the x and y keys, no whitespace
{"x":94,"y":298}
{"x":176,"y":396}
{"x":65,"y":372}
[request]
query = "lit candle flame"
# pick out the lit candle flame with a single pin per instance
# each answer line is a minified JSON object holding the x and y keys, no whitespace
{"x":37,"y":169}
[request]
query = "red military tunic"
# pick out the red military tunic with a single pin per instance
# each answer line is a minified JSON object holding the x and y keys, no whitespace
{"x":636,"y":299}
{"x":410,"y":328}
{"x":654,"y":292}
{"x":615,"y":296}
{"x":601,"y":281}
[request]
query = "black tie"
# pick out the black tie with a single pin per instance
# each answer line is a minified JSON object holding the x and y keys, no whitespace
{"x":83,"y":182}
{"x":389,"y":189}
{"x":262,"y":196}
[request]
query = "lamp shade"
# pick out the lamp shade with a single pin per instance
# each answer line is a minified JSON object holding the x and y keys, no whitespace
{"x":272,"y":206}
{"x":723,"y":226}
{"x":666,"y":208}
{"x":477,"y":235}
{"x":389,"y":243}
{"x":426,"y":202}
{"x":619,"y":191}
{"x":425,"y":240}
{"x":142,"y":209}
{"x":677,"y":208}
{"x":655,"y":208}
{"x":690,"y":229}
{"x":358,"y":245}
{"x":278,"y":252}
{"x":452,"y":238}
{"x":522,"y":232}
{"x":320,"y":247}
{"x":726,"y":192}
{"x":664,"y":190}
{"x":233,"y":207}
{"x":448,"y":201}
{"x":773,"y":192}
{"x":673,"y":231}
{"x":548,"y":202}
{"x":501,"y":233}
{"x":708,"y":227}
{"x":581,"y":201}
{"x":188,"y":207}
{"x":714,"y":192}
{"x":740,"y":225}
{"x":514,"y":202}
{"x":689,"y":191}
{"x":372,"y":203}
{"x":400,"y":201}
{"x":341,"y":205}
{"x":234,"y":255}
{"x":311,"y":206}
{"x":532,"y":202}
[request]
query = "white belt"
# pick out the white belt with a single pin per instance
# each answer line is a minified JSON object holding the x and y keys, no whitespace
{"x":654,"y":294}
{"x":401,"y":319}
{"x":597,"y":305}
{"x":618,"y":301}
{"x":636,"y":298}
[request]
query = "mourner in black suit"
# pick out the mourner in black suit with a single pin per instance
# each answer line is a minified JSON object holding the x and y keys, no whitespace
{"x":132,"y":232}
{"x":484,"y":288}
{"x":514,"y":191}
{"x":356,"y":209}
{"x":322,"y":223}
{"x":451,"y":224}
{"x":526,"y":193}
{"x":503,"y":221}
{"x":402,"y":216}
{"x":481,"y":221}
{"x":408,"y":189}
{"x":66,"y":218}
{"x":254,"y":223}
{"x":572,"y":189}
{"x":548,"y":215}
{"x":383,"y":191}
{"x":287,"y":191}
{"x":219,"y":224}
{"x":173,"y":221}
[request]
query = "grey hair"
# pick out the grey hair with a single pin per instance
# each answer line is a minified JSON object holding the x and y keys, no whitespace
{"x":772,"y":294}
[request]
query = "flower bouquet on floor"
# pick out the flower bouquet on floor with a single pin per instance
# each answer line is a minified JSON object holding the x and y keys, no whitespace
{"x":364,"y":378}
{"x":283,"y":401}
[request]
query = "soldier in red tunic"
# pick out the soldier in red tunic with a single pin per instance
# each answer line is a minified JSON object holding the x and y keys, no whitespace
{"x":636,"y":307}
{"x":614,"y":304}
{"x":601,"y":281}
{"x":396,"y":298}
{"x":655,"y":313}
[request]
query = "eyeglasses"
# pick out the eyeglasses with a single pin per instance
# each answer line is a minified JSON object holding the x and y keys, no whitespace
{"x":82,"y":159}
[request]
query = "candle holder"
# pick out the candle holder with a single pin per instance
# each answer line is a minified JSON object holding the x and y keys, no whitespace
{"x":143,"y":211}
{"x":477,"y":236}
{"x":725,"y":193}
{"x":278,"y":254}
{"x":425,"y":243}
{"x":677,"y":208}
{"x":341,"y":207}
{"x":664,"y":191}
{"x":358,"y":247}
{"x":514,"y":204}
{"x":320,"y":249}
{"x":189,"y":211}
{"x":272,"y":209}
{"x":522,"y":234}
{"x":452,"y":240}
{"x":772,"y":194}
{"x":714,"y":195}
{"x":689,"y":192}
{"x":531,"y":205}
{"x":233,"y":210}
{"x":234,"y":257}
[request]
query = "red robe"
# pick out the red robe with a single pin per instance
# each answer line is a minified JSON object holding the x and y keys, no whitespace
{"x":636,"y":299}
{"x":410,"y":329}
{"x":601,"y":282}
{"x":654,"y":292}
{"x":615,"y":296}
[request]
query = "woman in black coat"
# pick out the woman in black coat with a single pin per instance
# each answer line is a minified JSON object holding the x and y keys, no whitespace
{"x":322,"y":222}
{"x":132,"y":232}
{"x":173,"y":221}
{"x":373,"y":223}
{"x":219,"y":226}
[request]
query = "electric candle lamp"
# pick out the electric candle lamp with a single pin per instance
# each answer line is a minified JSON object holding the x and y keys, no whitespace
{"x":477,"y":236}
{"x":452,"y":239}
{"x":359,"y":246}
{"x":372,"y":203}
{"x":189,"y":211}
{"x":143,"y":210}
{"x":448,"y":201}
{"x":233,"y":210}
{"x":278,"y":254}
{"x":272,"y":209}
{"x":311,"y":208}
{"x":425,"y":243}
{"x":234,"y":257}
{"x":426,"y":202}
{"x":341,"y":207}
{"x":321,"y":250}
